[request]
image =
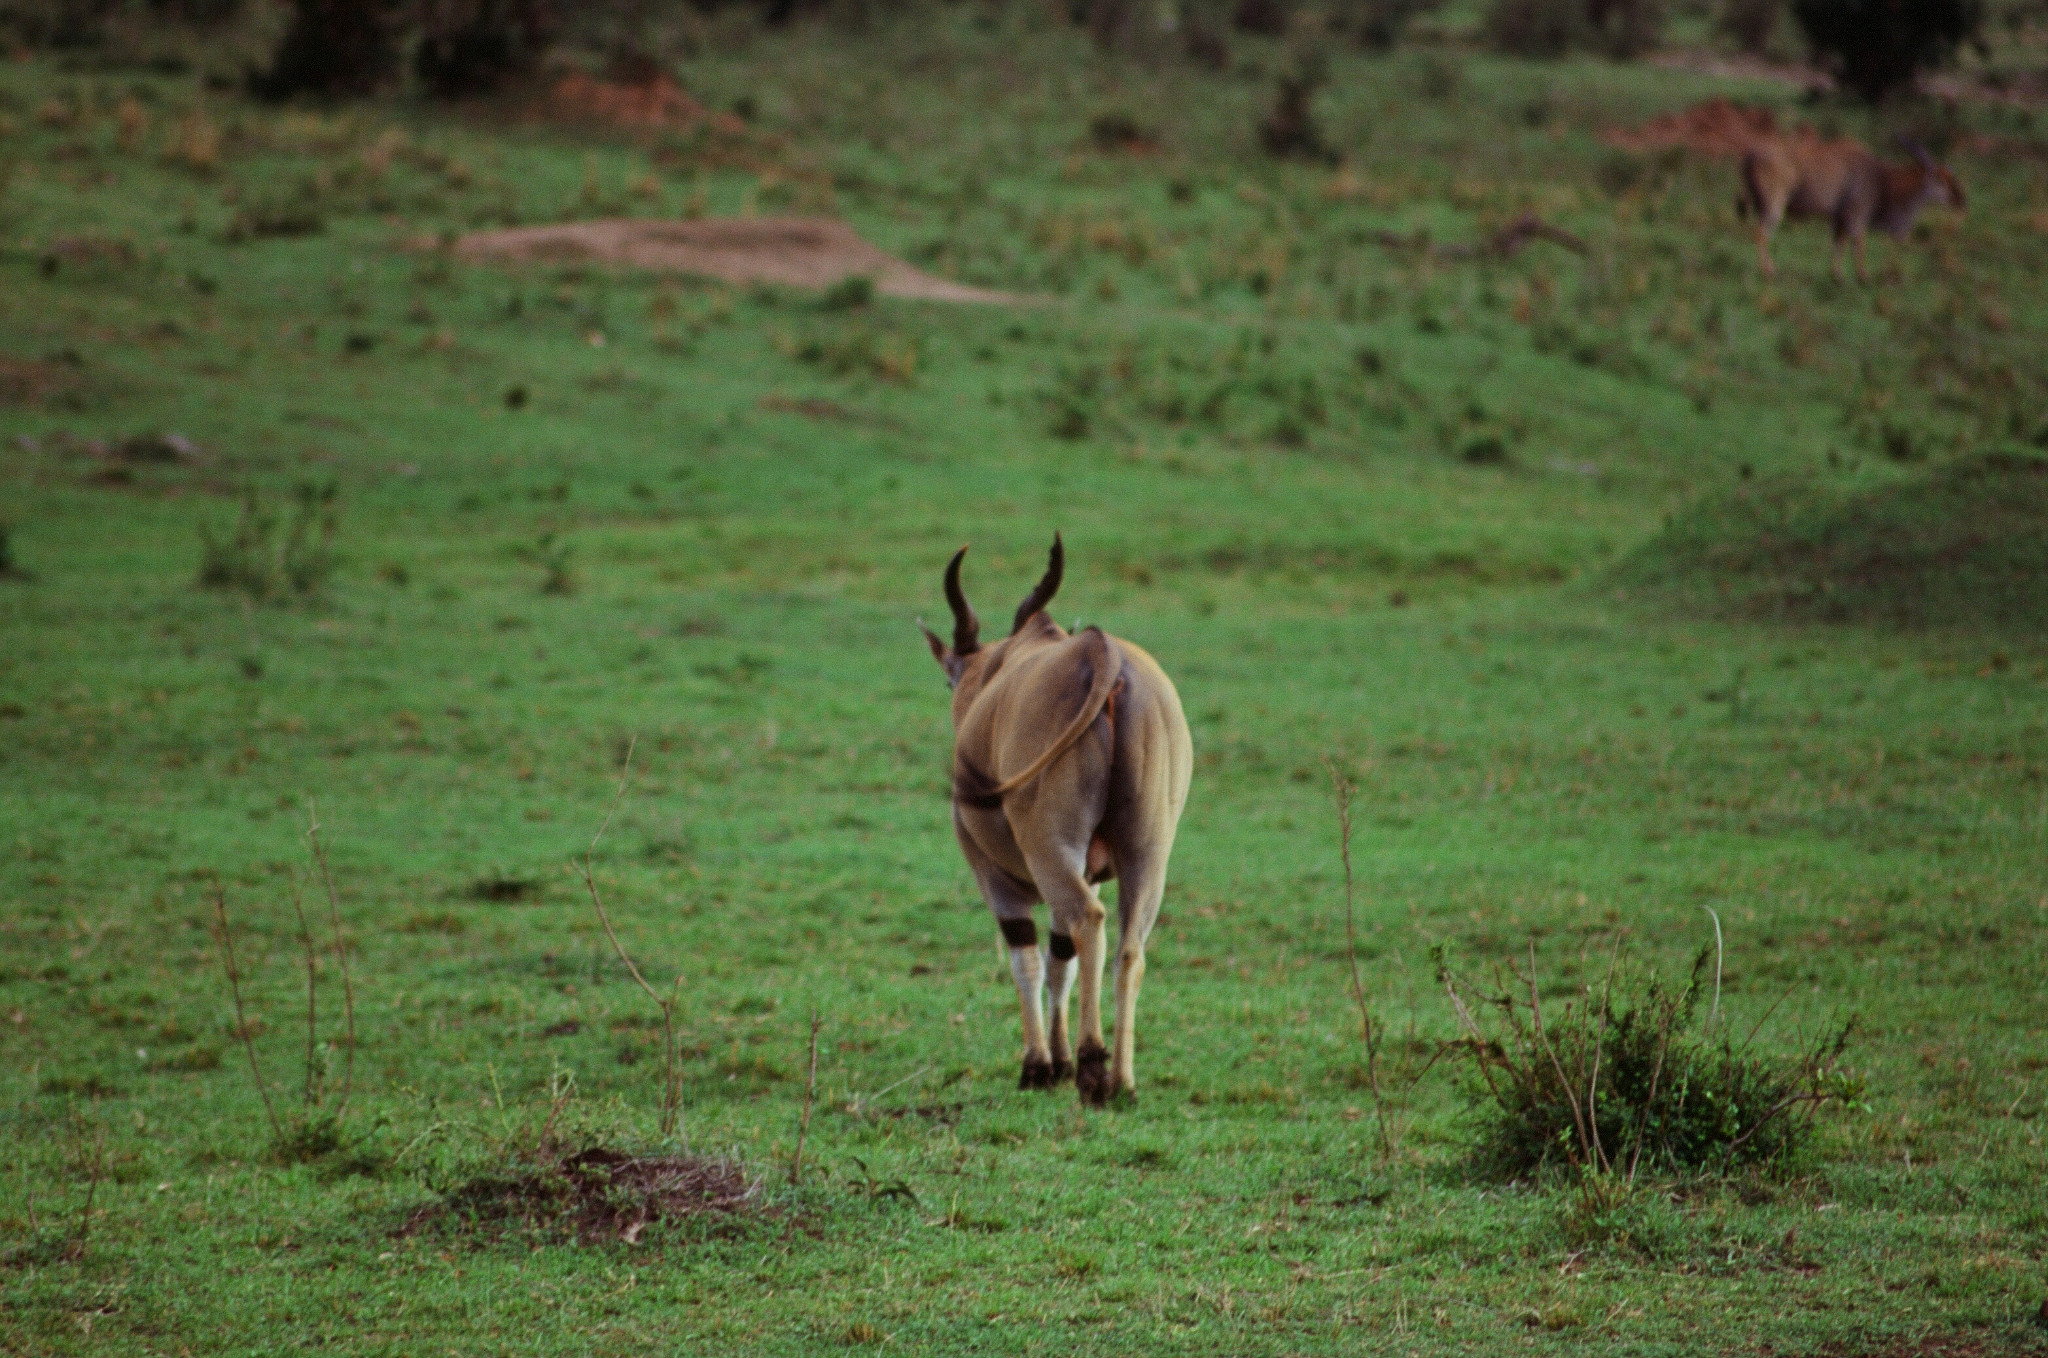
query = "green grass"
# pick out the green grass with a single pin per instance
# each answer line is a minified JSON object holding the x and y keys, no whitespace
{"x":1267,"y":486}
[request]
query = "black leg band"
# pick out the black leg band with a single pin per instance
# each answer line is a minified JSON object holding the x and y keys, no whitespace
{"x":1063,"y":947}
{"x":1019,"y":933}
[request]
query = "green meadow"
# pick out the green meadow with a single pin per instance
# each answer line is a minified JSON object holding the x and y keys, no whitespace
{"x":1638,"y":597}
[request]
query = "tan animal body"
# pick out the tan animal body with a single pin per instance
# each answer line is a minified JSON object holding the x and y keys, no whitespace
{"x":1842,"y":183}
{"x":1071,"y":761}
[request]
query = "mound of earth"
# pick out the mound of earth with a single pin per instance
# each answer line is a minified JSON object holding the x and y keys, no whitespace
{"x":1716,"y":127}
{"x":800,"y":252}
{"x":648,"y":98}
{"x":1966,"y":546}
{"x":595,"y":1195}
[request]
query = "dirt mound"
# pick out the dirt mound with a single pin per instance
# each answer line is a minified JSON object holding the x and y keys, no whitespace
{"x":649,"y":99}
{"x":28,"y":382}
{"x":1716,"y":127}
{"x":595,"y":1195}
{"x":1965,"y":546}
{"x":800,"y":252}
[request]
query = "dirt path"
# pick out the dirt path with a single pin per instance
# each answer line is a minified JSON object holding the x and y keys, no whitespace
{"x":800,"y":252}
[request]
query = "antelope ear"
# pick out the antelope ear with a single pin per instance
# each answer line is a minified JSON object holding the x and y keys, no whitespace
{"x":931,"y":639}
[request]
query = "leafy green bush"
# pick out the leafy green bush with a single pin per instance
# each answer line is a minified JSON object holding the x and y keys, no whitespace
{"x":1876,"y":46}
{"x":1632,"y":1079}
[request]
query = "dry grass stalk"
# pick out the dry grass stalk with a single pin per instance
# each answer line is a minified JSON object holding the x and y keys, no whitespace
{"x":348,"y":987}
{"x":796,"y":1164}
{"x":224,"y":939}
{"x":1371,"y":1029}
{"x":76,"y":1249}
{"x":672,"y":1075}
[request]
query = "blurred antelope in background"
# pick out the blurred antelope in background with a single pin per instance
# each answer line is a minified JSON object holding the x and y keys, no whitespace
{"x":1802,"y":176}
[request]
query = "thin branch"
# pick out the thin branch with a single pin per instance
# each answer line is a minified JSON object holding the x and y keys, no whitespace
{"x":1369,"y":1030}
{"x":348,"y":987}
{"x":796,"y":1165}
{"x":99,"y":1163}
{"x":227,"y":947}
{"x":672,"y":1088}
{"x":1714,"y":1011}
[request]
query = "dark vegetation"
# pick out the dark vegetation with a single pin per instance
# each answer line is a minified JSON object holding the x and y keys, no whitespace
{"x":1964,"y":543}
{"x":1627,"y":1076}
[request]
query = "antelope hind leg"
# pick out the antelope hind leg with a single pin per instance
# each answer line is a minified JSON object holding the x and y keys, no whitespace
{"x":1059,"y":979}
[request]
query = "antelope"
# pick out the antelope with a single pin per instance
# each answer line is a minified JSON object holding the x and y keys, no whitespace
{"x":1071,"y":761}
{"x":1803,"y":176}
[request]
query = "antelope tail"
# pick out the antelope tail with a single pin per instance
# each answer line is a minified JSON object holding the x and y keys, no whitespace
{"x":1109,"y":665}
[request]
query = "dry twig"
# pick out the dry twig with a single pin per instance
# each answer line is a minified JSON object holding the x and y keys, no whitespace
{"x":796,"y":1165}
{"x":1373,"y":1033}
{"x":225,"y":939}
{"x":348,"y":988}
{"x":672,"y":1077}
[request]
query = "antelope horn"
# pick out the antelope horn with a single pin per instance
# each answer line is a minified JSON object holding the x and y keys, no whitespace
{"x":966,"y":627}
{"x":1042,"y":592}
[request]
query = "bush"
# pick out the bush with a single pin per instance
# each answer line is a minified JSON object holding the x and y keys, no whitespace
{"x":470,"y":47}
{"x":332,"y":48}
{"x":1535,"y":28}
{"x":1550,"y":28}
{"x":1876,"y":46}
{"x":254,"y":560}
{"x":1377,"y":25}
{"x":1631,"y":1079}
{"x":1750,"y":23}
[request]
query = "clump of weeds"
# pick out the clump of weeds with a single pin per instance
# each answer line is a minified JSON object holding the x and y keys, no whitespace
{"x":1629,"y":1081}
{"x":255,"y":560}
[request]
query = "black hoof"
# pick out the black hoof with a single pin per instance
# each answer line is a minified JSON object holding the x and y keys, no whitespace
{"x":1124,"y":1099}
{"x":1038,"y":1075}
{"x":1062,"y":1070}
{"x":1091,"y":1074}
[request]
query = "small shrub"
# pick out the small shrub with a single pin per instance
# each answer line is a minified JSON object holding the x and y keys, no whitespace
{"x":851,"y":293}
{"x":1630,"y":1078}
{"x":471,"y":47}
{"x":1877,"y":46}
{"x":10,"y":569}
{"x":1750,"y":23}
{"x":254,"y":560}
{"x":334,"y":49}
{"x":1378,"y":25}
{"x":1535,"y":28}
{"x":1290,"y":130}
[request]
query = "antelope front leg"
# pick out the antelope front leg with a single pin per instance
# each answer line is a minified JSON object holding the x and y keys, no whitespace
{"x":1027,"y":970}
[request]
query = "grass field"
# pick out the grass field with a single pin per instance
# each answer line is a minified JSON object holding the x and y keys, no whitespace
{"x":1634,"y":594}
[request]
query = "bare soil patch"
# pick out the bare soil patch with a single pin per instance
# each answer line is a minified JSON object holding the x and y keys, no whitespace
{"x":799,"y":252}
{"x":595,"y":1195}
{"x":643,"y":99}
{"x":29,"y":382}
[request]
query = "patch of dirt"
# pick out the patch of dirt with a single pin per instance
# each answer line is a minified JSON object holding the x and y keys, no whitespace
{"x":27,"y":382}
{"x":800,"y":252}
{"x":1717,"y":127}
{"x":643,"y":99}
{"x":817,"y":408}
{"x":596,"y":1195}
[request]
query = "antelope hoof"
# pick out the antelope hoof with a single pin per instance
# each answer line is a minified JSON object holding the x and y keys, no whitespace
{"x":1124,"y":1099}
{"x":1091,"y":1073}
{"x":1062,"y":1070}
{"x":1038,"y":1074}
